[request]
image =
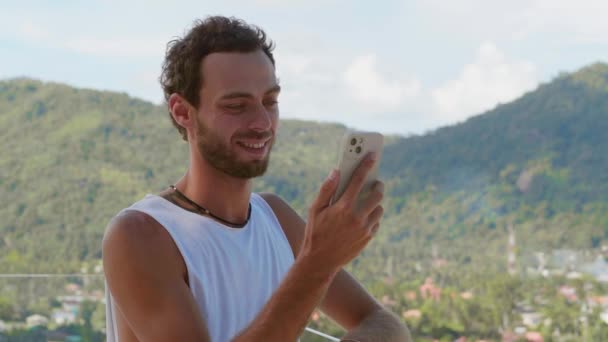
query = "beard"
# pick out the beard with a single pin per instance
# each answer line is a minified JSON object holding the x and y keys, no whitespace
{"x":221,"y":157}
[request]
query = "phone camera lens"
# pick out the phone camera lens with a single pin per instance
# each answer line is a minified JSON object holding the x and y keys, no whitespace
{"x":353,"y":141}
{"x":358,"y":149}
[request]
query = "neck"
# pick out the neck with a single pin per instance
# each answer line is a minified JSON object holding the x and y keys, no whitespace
{"x":223,"y":195}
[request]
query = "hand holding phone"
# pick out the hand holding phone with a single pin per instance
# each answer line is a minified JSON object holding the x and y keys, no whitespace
{"x":355,"y":146}
{"x":346,"y":213}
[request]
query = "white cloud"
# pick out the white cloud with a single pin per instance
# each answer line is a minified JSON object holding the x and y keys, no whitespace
{"x":303,"y":67}
{"x":118,"y":46}
{"x":489,"y":80}
{"x":583,"y":20}
{"x":109,"y":46}
{"x":322,"y":87}
{"x":369,"y":87}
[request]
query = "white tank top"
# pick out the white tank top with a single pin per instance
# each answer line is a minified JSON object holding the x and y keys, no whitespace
{"x":232,"y":272}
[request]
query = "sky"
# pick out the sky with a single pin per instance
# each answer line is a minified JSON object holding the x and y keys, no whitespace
{"x":398,"y":67}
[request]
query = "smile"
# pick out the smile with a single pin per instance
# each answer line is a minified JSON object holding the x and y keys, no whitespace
{"x":260,"y":145}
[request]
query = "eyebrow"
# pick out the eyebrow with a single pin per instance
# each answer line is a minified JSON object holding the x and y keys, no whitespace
{"x":238,"y":94}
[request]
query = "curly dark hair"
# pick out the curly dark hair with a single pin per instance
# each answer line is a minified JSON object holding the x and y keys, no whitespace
{"x":181,"y":68}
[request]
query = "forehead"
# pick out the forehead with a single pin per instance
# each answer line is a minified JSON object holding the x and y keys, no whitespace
{"x":250,"y":72}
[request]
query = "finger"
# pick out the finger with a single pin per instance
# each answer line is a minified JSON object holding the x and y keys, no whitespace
{"x":358,"y":179}
{"x":375,"y":229}
{"x":373,"y":199}
{"x":375,"y":216}
{"x":379,"y":186}
{"x":328,"y":188}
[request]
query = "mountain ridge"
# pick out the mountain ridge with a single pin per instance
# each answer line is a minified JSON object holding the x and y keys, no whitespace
{"x":73,"y":157}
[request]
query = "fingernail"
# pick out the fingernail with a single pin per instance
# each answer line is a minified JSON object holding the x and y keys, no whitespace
{"x":332,"y":174}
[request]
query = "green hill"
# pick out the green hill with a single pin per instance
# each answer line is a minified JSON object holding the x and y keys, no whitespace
{"x":72,"y":158}
{"x":557,"y":132}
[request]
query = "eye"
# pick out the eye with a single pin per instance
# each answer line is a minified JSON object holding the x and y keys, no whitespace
{"x":235,"y":106}
{"x":270,"y":103}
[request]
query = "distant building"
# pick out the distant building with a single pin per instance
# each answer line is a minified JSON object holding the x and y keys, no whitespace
{"x":534,"y":336}
{"x":598,"y":269}
{"x":412,"y":314}
{"x":568,"y":292}
{"x":71,"y":303}
{"x":63,"y":317}
{"x":428,"y":289}
{"x":565,"y":259}
{"x":574,"y":275}
{"x":520,"y":330}
{"x":597,"y":301}
{"x":439,"y":263}
{"x":411,"y":295}
{"x":36,"y":320}
{"x":73,"y":288}
{"x":531,"y":319}
{"x":466,"y":295}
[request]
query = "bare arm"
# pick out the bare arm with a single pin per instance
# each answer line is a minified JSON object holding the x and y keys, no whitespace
{"x":346,"y":301}
{"x":379,"y":326}
{"x":333,"y":236}
{"x":146,"y":275}
{"x":286,"y":314}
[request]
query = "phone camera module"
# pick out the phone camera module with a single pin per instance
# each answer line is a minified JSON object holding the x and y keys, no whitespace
{"x":358,"y":149}
{"x":353,"y":141}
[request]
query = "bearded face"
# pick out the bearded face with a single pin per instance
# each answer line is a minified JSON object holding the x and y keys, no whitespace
{"x":225,"y":158}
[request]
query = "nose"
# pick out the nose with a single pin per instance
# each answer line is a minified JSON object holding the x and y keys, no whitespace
{"x":262,"y":119}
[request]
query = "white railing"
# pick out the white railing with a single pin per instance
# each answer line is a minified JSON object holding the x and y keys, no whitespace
{"x":331,"y":338}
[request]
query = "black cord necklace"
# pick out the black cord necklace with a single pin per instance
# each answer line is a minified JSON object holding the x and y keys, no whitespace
{"x":206,"y":211}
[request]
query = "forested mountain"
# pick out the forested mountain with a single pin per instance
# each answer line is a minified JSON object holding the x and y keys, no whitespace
{"x":534,"y":170}
{"x":71,"y":158}
{"x":557,"y":132}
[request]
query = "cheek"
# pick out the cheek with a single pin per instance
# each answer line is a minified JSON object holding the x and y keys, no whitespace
{"x":275,"y":120}
{"x":228,"y":129}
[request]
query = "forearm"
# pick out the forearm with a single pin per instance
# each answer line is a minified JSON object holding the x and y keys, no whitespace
{"x":381,"y":326}
{"x":286,"y":314}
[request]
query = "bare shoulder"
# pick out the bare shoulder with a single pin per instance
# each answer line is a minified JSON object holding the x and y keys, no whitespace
{"x":148,"y":280}
{"x":292,"y":224}
{"x":131,"y":223}
{"x":275,"y":201}
{"x":135,"y":229}
{"x":135,"y":238}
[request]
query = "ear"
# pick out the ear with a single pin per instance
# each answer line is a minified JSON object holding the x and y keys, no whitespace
{"x":182,"y":111}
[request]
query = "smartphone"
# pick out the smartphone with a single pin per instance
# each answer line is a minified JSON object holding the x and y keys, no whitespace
{"x":355,"y":145}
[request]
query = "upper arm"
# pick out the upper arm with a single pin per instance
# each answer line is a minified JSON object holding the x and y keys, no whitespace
{"x":145,"y":273}
{"x":346,"y":301}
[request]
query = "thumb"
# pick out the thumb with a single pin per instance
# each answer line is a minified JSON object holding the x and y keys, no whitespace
{"x":328,"y":188}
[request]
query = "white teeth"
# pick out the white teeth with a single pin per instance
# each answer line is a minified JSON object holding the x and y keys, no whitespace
{"x":254,"y":145}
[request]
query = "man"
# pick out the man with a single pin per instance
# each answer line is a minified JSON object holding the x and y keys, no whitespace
{"x":207,"y":259}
